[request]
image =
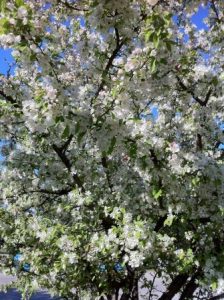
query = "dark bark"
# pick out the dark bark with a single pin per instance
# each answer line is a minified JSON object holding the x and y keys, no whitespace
{"x":174,"y":287}
{"x":131,"y":285}
{"x":72,"y":7}
{"x":105,"y":166}
{"x":10,"y":99}
{"x":125,"y":296}
{"x":160,"y":223}
{"x":134,"y":294}
{"x":214,"y":8}
{"x":192,"y":93}
{"x":117,"y":293}
{"x":109,"y":64}
{"x":61,"y":153}
{"x":189,"y":289}
{"x":199,"y":144}
{"x":218,"y":297}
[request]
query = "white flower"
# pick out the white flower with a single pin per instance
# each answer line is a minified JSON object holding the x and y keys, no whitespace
{"x":131,"y":242}
{"x":15,"y":53}
{"x":174,"y":147}
{"x":12,"y":21}
{"x":25,"y":21}
{"x":129,"y":66}
{"x":136,"y":259}
{"x":220,"y":286}
{"x":42,"y":235}
{"x":152,"y":2}
{"x":51,"y":93}
{"x":22,"y":12}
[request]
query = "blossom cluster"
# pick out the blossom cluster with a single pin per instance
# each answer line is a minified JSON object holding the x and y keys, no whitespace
{"x":113,"y":163}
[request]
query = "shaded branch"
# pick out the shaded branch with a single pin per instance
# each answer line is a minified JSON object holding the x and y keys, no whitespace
{"x":199,"y":144}
{"x":192,"y":93}
{"x":174,"y":287}
{"x":61,"y":153}
{"x":160,"y":223}
{"x":190,"y":288}
{"x":57,"y":192}
{"x":109,"y":64}
{"x":218,"y":297}
{"x":214,"y":8}
{"x":207,"y":97}
{"x":152,"y":286}
{"x":66,"y":144}
{"x":157,"y":165}
{"x":9,"y":98}
{"x":70,"y":6}
{"x":105,"y":166}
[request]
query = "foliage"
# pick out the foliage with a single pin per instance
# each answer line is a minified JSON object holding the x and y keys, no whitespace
{"x":96,"y":189}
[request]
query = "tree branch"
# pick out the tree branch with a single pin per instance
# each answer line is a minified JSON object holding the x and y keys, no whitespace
{"x":190,"y":288}
{"x":218,"y":297}
{"x":9,"y":99}
{"x":61,"y":192}
{"x":191,"y":92}
{"x":160,"y":223}
{"x":66,"y":144}
{"x":109,"y":64}
{"x":61,"y":153}
{"x":105,"y":166}
{"x":199,"y":144}
{"x":174,"y":287}
{"x":213,"y":6}
{"x":68,"y":5}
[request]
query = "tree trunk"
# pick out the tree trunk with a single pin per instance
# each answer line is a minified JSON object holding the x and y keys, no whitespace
{"x":125,"y":296}
{"x":189,"y":289}
{"x":117,"y":293}
{"x":174,"y":287}
{"x":134,"y":294}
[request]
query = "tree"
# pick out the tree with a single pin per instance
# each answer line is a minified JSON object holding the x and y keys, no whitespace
{"x":114,"y":168}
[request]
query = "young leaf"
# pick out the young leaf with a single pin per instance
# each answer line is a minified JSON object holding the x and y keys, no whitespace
{"x":66,"y":132}
{"x":112,"y":145}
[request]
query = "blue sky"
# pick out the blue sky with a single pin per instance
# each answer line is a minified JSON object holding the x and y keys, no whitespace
{"x":5,"y":60}
{"x":197,"y":18}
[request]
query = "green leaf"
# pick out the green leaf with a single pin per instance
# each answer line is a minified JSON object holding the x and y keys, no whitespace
{"x":2,"y":5}
{"x":215,"y":81}
{"x":19,"y":3}
{"x":169,"y":46}
{"x":156,"y":40}
{"x":195,"y":181}
{"x":214,"y":285}
{"x":80,"y":136}
{"x":4,"y":25}
{"x":157,"y":193}
{"x":33,"y":57}
{"x":169,"y":220}
{"x":59,"y":119}
{"x":149,"y":34}
{"x":112,"y":145}
{"x":163,"y":61}
{"x":66,"y":132}
{"x":167,"y":18}
{"x":132,"y":149}
{"x":153,"y":65}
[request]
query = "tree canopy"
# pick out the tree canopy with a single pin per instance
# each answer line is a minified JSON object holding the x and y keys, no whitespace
{"x":113,"y":133}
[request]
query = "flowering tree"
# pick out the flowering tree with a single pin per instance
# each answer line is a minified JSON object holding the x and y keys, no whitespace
{"x":113,"y":154}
